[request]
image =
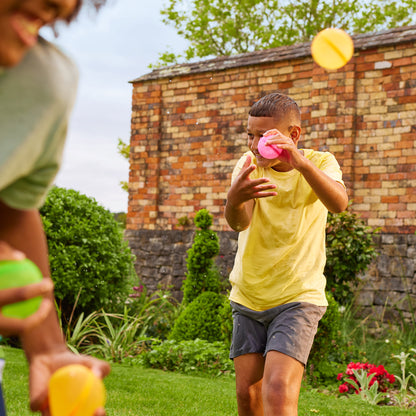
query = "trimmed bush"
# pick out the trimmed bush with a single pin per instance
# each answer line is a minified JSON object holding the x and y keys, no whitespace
{"x":91,"y":263}
{"x":202,"y":275}
{"x":200,"y":319}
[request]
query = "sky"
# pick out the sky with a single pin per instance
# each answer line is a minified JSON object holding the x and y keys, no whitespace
{"x":110,"y":48}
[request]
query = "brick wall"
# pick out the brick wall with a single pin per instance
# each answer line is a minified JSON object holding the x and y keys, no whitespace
{"x":188,"y":130}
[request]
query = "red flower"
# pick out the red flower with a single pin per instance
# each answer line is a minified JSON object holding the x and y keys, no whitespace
{"x":381,"y":376}
{"x":343,"y":388}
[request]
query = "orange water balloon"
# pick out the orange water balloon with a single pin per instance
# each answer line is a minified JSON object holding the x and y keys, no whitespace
{"x":332,"y":48}
{"x":74,"y":390}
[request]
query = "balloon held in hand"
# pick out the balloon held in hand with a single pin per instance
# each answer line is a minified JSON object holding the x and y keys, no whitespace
{"x":74,"y":390}
{"x":270,"y":151}
{"x":17,"y":273}
{"x":332,"y":48}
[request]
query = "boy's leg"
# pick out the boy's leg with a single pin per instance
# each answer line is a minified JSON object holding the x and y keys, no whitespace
{"x":248,"y":377}
{"x":281,"y":384}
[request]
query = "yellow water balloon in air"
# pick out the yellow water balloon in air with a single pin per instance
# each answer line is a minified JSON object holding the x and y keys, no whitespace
{"x":332,"y":48}
{"x":74,"y":390}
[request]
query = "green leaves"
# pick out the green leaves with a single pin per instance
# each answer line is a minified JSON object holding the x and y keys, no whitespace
{"x":87,"y":253}
{"x":227,"y":27}
{"x":202,"y":274}
{"x":202,"y":319}
{"x":189,"y":357}
{"x":367,"y":391}
{"x":349,"y":250}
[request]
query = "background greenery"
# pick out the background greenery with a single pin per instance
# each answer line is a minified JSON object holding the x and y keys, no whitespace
{"x":91,"y":264}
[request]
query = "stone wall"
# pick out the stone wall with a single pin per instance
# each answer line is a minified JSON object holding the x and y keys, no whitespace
{"x":188,"y":129}
{"x":388,"y":288}
{"x":162,"y":256}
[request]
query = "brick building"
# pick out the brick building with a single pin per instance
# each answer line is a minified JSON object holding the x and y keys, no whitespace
{"x":188,"y":130}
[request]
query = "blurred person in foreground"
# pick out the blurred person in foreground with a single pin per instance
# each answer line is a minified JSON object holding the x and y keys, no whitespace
{"x":37,"y":93}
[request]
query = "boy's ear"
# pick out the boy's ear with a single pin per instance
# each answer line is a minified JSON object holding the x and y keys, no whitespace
{"x":295,"y":132}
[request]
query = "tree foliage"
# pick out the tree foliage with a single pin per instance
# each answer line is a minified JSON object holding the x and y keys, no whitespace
{"x":123,"y":150}
{"x":226,"y":27}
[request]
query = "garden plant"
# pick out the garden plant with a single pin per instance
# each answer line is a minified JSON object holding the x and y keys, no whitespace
{"x":91,"y":263}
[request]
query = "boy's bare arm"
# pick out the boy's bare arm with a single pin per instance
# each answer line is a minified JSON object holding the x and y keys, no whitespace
{"x":331,"y":193}
{"x":240,"y":198}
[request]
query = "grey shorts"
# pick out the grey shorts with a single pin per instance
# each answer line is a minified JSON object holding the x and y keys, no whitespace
{"x":289,"y":329}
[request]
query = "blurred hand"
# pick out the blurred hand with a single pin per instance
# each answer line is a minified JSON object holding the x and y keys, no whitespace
{"x":41,"y":368}
{"x":15,"y":326}
{"x":244,"y":189}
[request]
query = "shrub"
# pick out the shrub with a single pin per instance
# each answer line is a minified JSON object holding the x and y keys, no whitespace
{"x":160,"y":309}
{"x":200,"y":319}
{"x":225,"y":314}
{"x":88,"y":256}
{"x":349,"y":250}
{"x":195,"y":356}
{"x":326,"y":340}
{"x":202,"y":275}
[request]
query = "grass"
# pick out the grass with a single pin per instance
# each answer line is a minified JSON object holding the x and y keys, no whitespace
{"x":134,"y":391}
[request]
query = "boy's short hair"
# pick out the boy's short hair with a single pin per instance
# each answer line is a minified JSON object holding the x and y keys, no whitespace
{"x":276,"y":105}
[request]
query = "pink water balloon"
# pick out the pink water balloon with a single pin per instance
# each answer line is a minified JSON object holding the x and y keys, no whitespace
{"x":270,"y":151}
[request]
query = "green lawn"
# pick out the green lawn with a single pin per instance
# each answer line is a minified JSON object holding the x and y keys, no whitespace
{"x":135,"y":391}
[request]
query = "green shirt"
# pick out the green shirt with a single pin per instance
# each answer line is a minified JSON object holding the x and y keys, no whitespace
{"x":36,"y":98}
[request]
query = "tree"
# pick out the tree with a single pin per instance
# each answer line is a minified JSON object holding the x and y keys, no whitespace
{"x":226,"y":27}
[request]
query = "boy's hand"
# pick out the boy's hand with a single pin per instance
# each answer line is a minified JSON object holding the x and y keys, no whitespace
{"x":240,"y":198}
{"x":331,"y":193}
{"x":14,"y":326}
{"x":244,"y":189}
{"x":292,"y":154}
{"x":41,"y":368}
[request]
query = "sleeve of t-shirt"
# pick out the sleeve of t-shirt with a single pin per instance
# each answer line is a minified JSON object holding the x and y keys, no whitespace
{"x":30,"y":191}
{"x":331,"y":167}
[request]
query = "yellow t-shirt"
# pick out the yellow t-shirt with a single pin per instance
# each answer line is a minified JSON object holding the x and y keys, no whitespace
{"x":281,"y":255}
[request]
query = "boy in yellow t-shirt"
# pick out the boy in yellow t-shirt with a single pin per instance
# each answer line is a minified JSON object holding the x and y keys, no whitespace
{"x":280,"y":207}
